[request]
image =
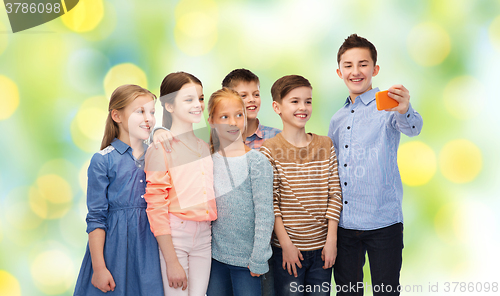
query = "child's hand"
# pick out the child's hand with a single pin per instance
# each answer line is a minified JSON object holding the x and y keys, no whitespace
{"x":165,"y":138}
{"x":103,"y":280}
{"x":329,"y":254}
{"x":254,"y":274}
{"x":176,"y":276}
{"x":399,"y":93}
{"x":291,"y":256}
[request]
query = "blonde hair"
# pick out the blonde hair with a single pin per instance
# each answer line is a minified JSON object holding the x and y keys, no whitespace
{"x":213,"y":102}
{"x":120,"y":98}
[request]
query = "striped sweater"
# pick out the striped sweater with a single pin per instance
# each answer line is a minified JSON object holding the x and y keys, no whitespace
{"x":306,"y":189}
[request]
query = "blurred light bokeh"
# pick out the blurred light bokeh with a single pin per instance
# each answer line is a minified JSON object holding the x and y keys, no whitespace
{"x":55,"y":81}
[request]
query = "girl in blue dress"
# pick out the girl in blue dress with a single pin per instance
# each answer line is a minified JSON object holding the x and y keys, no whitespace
{"x":122,"y":253}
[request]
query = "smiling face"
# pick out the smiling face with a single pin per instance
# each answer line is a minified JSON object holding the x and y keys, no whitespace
{"x":229,"y":120}
{"x":357,"y":68}
{"x":187,"y":106}
{"x":250,"y":93}
{"x":137,"y":119}
{"x":295,"y":108}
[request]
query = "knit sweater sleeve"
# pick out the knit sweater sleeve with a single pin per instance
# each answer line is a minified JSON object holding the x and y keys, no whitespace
{"x":261,"y":175}
{"x":276,"y":179}
{"x":334,"y":190}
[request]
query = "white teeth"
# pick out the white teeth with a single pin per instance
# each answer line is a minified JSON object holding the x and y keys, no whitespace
{"x":301,"y":115}
{"x":357,"y":80}
{"x":252,"y":108}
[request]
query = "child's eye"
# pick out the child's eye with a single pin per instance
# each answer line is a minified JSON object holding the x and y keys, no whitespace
{"x":240,"y":115}
{"x":257,"y":95}
{"x":309,"y":102}
{"x":202,"y":99}
{"x":223,"y":117}
{"x":294,"y":102}
{"x":243,"y":96}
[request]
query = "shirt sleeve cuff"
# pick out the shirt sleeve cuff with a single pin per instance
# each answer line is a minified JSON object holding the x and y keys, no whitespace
{"x":407,"y":116}
{"x":91,"y":226}
{"x":258,"y":268}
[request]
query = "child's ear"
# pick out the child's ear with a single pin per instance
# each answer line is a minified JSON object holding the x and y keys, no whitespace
{"x":375,"y":70}
{"x":169,"y":108}
{"x":276,"y":107}
{"x":116,"y":116}
{"x":339,"y":73}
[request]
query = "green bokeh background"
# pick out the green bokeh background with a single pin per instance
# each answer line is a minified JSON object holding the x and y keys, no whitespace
{"x":63,"y":78}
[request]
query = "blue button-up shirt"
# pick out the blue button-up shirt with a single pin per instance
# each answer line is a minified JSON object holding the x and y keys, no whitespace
{"x":366,"y":142}
{"x":116,"y":181}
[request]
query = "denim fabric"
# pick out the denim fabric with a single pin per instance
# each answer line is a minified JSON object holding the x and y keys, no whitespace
{"x":267,"y":280}
{"x":311,"y":279}
{"x":230,"y":280}
{"x":116,"y":185}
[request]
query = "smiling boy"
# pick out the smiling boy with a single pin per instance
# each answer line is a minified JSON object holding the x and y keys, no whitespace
{"x":306,"y":191}
{"x":366,"y":142}
{"x":247,"y":85}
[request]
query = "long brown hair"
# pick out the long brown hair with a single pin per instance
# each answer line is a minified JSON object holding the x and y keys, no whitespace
{"x":169,"y":87}
{"x":120,"y":98}
{"x":215,"y":99}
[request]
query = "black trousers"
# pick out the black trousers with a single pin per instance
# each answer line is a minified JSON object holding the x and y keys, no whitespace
{"x":385,"y":249}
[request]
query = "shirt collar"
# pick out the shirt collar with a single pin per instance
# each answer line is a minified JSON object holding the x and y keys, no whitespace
{"x":258,"y":131}
{"x":120,"y":146}
{"x":366,"y":97}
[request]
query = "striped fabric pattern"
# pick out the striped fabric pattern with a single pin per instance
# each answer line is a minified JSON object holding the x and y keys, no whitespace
{"x":306,"y":189}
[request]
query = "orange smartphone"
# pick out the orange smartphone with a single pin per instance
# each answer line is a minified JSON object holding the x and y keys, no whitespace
{"x":384,"y":101}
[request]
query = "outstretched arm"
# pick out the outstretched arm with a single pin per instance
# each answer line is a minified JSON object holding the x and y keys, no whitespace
{"x":406,"y":120}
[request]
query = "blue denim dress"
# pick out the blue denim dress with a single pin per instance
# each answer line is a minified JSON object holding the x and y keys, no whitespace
{"x":116,"y":185}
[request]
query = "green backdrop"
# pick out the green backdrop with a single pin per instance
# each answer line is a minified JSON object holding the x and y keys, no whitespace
{"x":55,"y":81}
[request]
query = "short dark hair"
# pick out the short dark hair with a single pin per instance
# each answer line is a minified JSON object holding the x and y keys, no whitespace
{"x":286,"y":84}
{"x":355,"y":41}
{"x":239,"y":75}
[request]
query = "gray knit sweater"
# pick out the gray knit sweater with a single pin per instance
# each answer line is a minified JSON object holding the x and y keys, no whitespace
{"x":241,"y":235}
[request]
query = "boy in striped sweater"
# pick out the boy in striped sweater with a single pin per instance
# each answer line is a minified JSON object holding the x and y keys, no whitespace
{"x":307,"y":195}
